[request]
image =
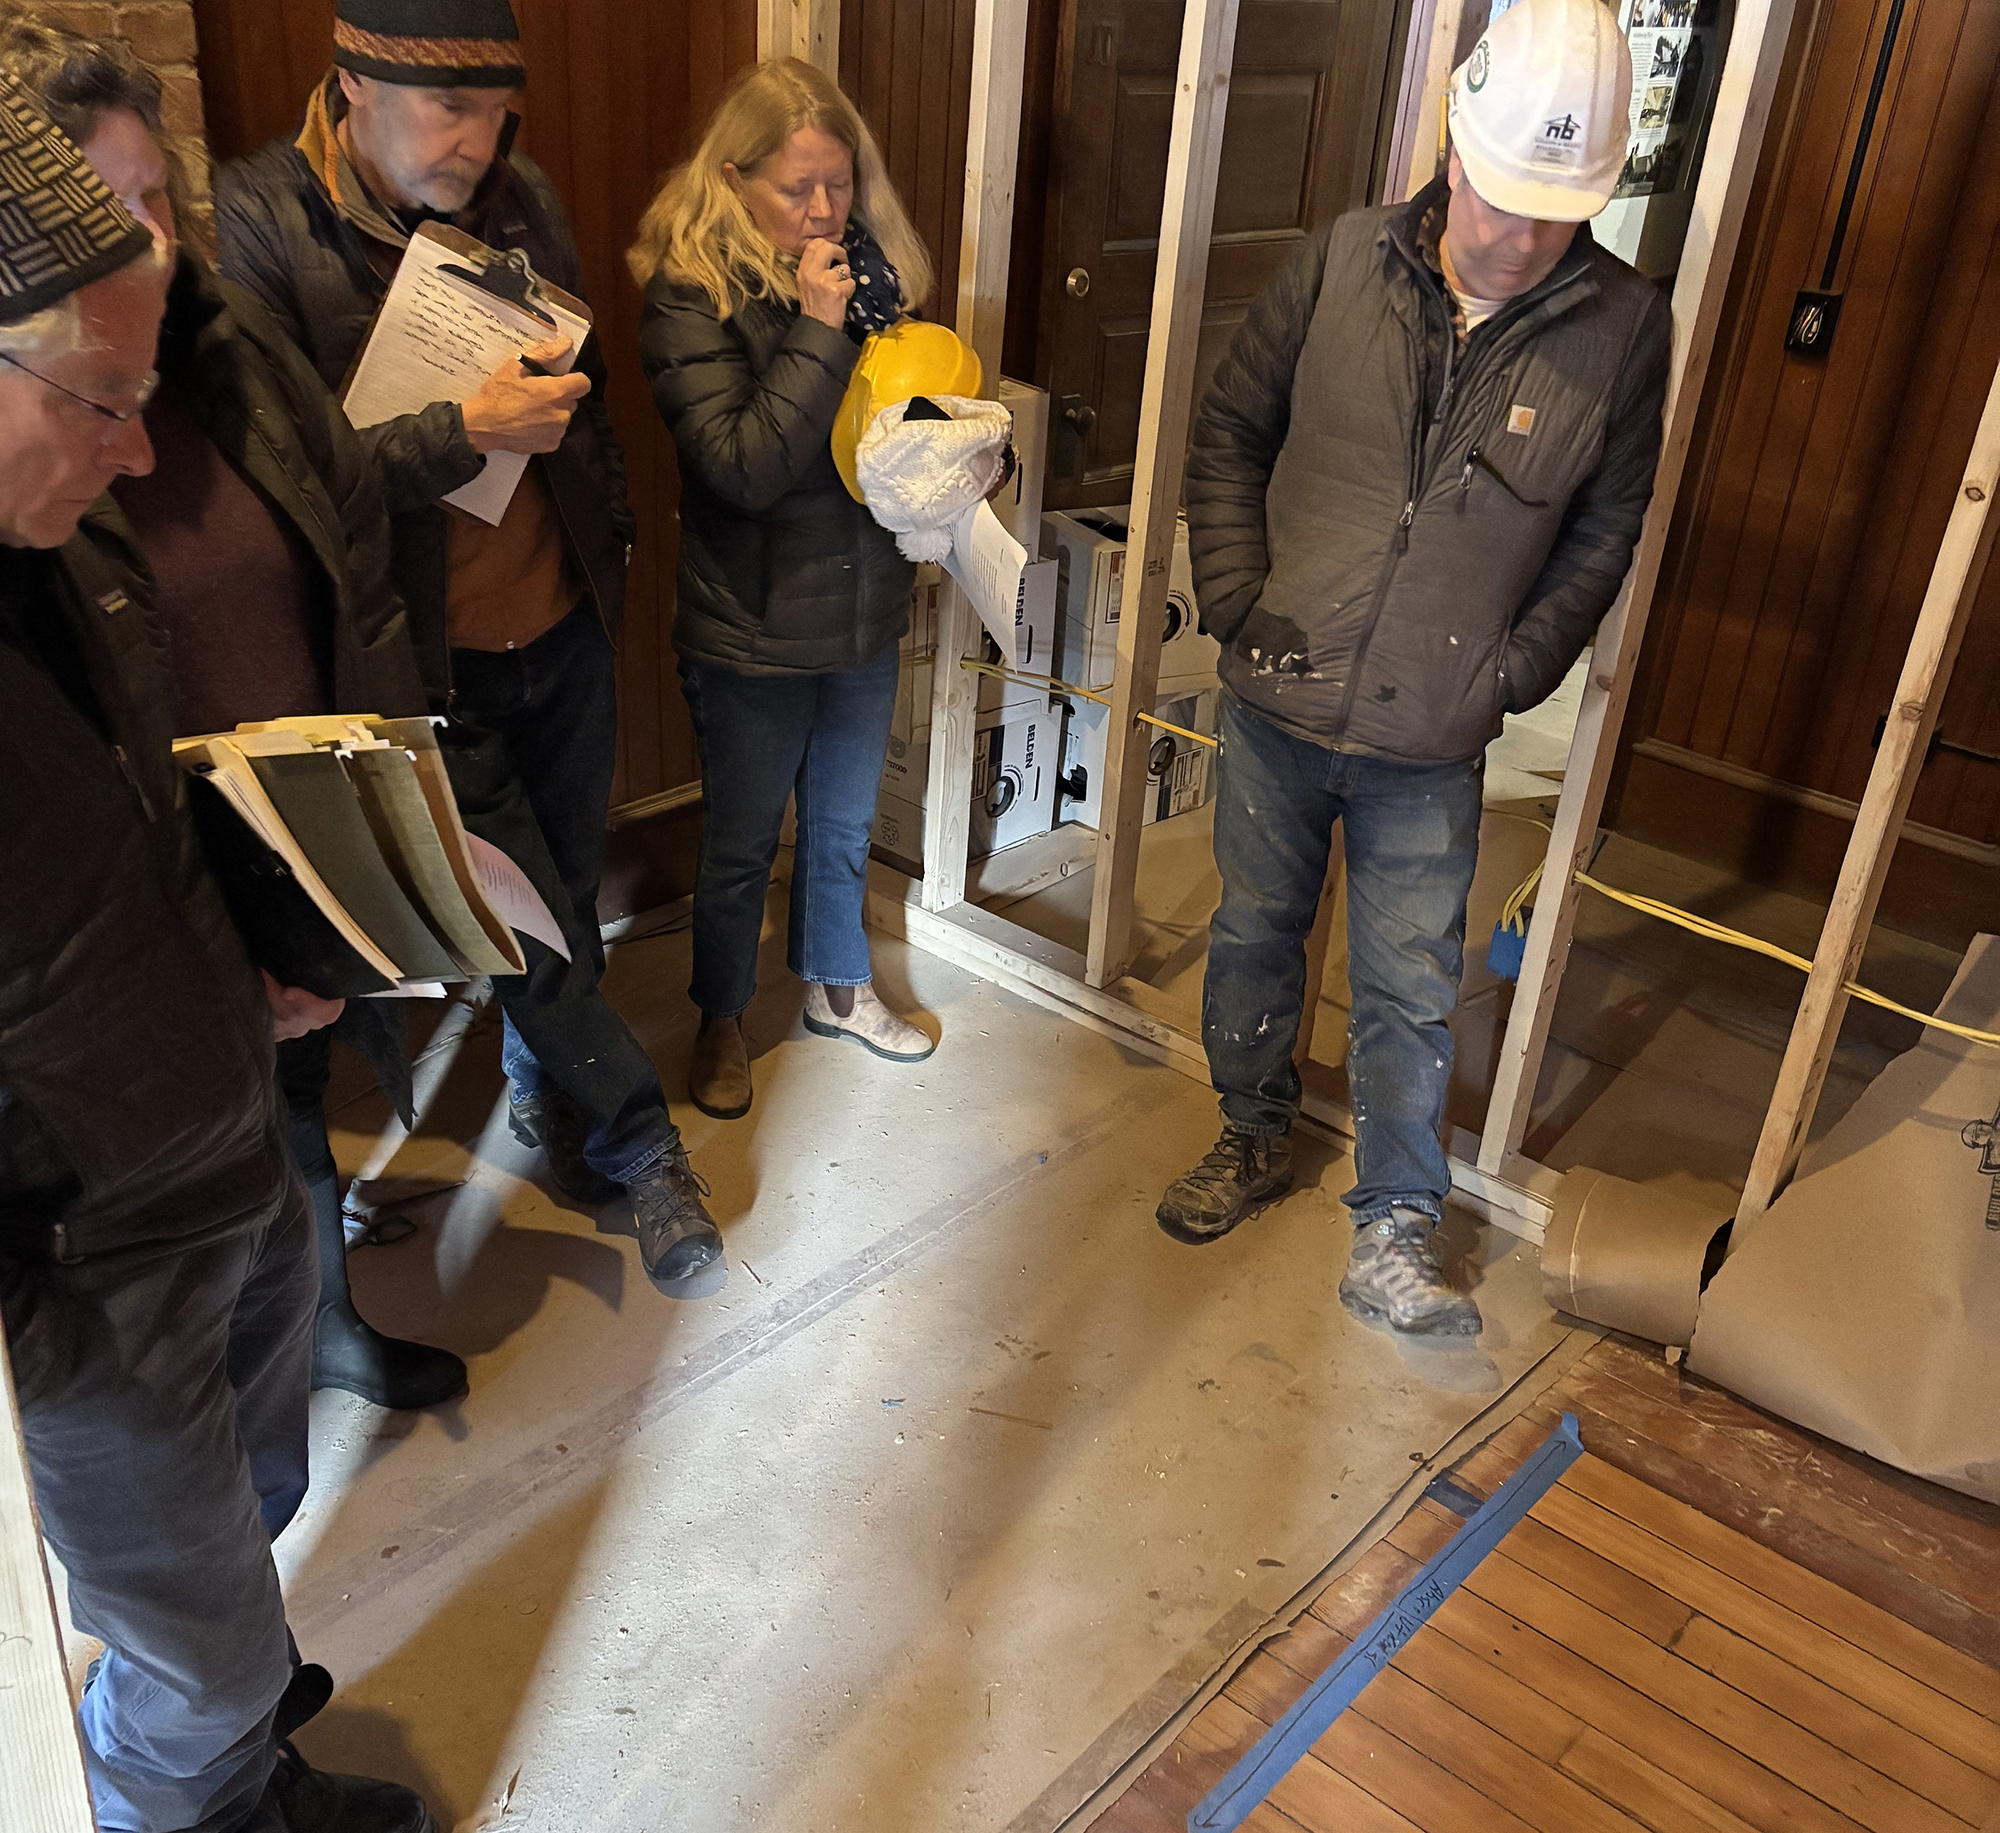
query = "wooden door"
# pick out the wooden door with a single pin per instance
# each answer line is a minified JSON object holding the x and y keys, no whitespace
{"x":616,"y":95}
{"x":1801,"y":554}
{"x":1304,"y":129}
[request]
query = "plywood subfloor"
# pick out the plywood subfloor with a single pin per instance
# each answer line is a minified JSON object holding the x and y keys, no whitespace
{"x":1628,"y":1660}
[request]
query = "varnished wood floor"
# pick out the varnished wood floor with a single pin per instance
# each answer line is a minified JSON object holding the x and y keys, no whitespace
{"x":1717,"y":1623}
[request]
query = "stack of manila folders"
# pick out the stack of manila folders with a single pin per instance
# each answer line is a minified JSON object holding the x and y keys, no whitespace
{"x":340,"y":853}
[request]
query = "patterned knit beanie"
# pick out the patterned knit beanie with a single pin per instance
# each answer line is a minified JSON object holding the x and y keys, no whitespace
{"x":440,"y":44}
{"x":60,"y":227}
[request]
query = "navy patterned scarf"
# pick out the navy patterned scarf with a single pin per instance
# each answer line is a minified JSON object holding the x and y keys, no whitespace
{"x":878,"y":300}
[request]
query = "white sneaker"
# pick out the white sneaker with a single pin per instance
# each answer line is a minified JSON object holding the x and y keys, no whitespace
{"x":871,"y":1024}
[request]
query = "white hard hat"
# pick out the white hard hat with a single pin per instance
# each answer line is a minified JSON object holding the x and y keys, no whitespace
{"x":1539,"y":111}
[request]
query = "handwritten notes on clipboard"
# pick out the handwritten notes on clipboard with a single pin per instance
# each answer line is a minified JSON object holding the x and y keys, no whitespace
{"x":455,"y":312}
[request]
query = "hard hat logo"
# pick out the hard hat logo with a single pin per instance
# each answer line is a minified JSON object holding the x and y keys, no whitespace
{"x":1539,"y":112}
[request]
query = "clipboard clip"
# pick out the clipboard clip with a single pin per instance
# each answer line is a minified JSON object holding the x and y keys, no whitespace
{"x":506,"y":274}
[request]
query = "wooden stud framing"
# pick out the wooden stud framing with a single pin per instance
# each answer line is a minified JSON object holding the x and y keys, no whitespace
{"x":1743,"y":105}
{"x":1427,"y":68}
{"x":992,"y":144}
{"x":1194,"y":155}
{"x":801,"y":28}
{"x":42,"y":1787}
{"x":1955,"y":582}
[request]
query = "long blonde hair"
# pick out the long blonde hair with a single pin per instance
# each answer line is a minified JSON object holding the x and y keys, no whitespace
{"x":697,"y":230}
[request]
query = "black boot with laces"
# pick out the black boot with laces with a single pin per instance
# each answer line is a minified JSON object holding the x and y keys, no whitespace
{"x":1244,"y":1172}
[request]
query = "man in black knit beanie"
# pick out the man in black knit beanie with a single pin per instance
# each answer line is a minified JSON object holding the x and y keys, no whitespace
{"x":513,"y":623}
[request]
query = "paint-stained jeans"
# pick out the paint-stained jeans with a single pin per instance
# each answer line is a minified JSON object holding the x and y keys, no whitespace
{"x":1411,"y":835}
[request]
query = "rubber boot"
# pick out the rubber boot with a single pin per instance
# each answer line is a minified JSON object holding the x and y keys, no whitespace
{"x":350,"y":1353}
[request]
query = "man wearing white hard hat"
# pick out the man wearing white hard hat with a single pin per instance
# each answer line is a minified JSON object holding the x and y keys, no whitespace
{"x":1413,"y":489}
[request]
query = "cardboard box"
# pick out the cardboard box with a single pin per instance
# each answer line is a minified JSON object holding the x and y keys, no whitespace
{"x":1180,"y":774}
{"x":1014,"y":767}
{"x":1019,"y":506}
{"x":1035,"y":624}
{"x":1014,"y":770}
{"x":899,"y":830}
{"x":1088,"y":546}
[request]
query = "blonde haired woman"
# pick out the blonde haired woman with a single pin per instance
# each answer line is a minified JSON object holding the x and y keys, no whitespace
{"x":767,"y":260}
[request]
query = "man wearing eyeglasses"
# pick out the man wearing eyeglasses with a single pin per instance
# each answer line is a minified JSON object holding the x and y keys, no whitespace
{"x":157,"y":1275}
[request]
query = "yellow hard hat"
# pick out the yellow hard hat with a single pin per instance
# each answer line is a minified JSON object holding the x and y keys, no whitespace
{"x":910,"y":358}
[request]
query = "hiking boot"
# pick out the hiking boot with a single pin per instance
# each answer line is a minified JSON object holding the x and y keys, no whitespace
{"x":1393,"y":1278}
{"x":556,"y":1124}
{"x":301,"y":1799}
{"x":870,"y":1024}
{"x":350,"y":1353}
{"x":719,"y":1070}
{"x":1243,"y":1173}
{"x":677,"y":1236}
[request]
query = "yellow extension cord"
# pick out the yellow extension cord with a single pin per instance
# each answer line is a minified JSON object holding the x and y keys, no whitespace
{"x":1083,"y":693}
{"x":1513,"y":917}
{"x":1513,"y":913}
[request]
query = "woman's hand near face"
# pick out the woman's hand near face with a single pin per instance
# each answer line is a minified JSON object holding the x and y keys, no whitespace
{"x":825,"y":285}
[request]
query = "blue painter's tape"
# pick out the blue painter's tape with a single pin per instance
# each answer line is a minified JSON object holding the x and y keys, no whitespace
{"x":1236,"y":1797}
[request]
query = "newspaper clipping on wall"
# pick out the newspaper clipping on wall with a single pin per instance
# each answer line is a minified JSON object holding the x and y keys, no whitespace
{"x":1672,"y":41}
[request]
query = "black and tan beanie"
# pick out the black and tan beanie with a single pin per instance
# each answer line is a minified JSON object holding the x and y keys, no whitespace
{"x":443,"y":44}
{"x":60,"y":227}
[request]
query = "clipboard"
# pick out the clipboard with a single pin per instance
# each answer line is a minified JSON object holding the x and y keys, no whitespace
{"x":454,"y":313}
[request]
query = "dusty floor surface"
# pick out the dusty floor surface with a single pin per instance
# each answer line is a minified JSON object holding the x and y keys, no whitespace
{"x":942,"y":1501}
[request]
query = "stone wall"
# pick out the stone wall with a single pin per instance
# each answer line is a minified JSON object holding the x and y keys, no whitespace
{"x":162,"y":32}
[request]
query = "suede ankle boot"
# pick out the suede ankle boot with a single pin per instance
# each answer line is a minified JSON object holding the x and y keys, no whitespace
{"x":719,"y":1070}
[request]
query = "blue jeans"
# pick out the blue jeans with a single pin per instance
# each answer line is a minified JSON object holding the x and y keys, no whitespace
{"x":1411,"y":837}
{"x":531,"y":747}
{"x":164,"y":1408}
{"x":822,"y":739}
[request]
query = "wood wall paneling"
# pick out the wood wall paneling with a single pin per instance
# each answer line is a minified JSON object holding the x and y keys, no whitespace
{"x":616,"y":95}
{"x":1800,"y":559}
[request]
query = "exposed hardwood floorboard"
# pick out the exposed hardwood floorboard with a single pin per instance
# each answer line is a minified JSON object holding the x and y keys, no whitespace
{"x":1717,"y":1623}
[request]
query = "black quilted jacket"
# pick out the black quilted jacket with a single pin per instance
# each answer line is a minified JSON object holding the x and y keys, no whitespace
{"x":138,"y":1114}
{"x":781,"y":571}
{"x":1396,"y":540}
{"x":284,"y":238}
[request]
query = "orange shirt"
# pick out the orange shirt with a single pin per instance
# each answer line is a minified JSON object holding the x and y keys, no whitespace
{"x":512,"y":583}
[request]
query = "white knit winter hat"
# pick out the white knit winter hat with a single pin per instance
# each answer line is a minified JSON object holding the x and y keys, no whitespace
{"x":918,"y":476}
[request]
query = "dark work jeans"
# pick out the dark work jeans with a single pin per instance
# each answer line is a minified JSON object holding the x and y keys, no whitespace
{"x":1411,"y":836}
{"x":822,"y":739}
{"x":164,"y":1407}
{"x":531,"y":747}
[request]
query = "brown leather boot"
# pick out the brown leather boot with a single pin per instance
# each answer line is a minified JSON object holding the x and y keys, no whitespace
{"x":719,"y":1070}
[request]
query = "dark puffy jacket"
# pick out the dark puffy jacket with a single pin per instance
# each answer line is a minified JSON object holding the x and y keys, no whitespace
{"x":284,"y":237}
{"x":1389,"y":562}
{"x":273,"y":420}
{"x":137,"y":1109}
{"x":781,"y":571}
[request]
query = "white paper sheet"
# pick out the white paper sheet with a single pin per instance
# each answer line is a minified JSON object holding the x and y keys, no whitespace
{"x":440,"y":339}
{"x":508,"y":891}
{"x":988,"y":563}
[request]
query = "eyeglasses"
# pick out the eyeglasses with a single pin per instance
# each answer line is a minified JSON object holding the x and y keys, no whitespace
{"x":148,"y":388}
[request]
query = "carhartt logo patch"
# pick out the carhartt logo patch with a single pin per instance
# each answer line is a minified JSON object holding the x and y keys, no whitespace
{"x":1520,"y":419}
